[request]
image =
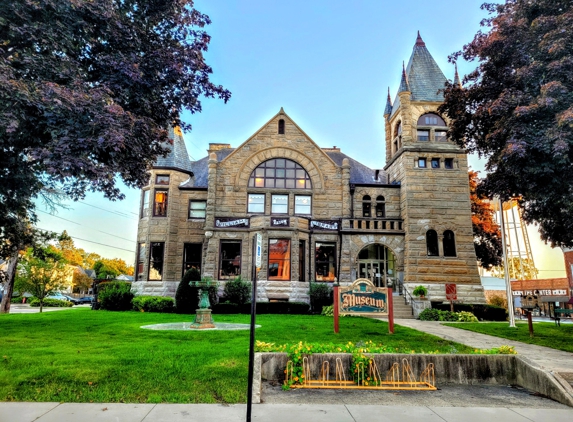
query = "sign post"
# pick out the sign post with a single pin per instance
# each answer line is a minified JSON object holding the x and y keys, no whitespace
{"x":336,"y":328}
{"x":258,"y":241}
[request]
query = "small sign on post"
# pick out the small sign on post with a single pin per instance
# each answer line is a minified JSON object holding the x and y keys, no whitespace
{"x":451,"y":294}
{"x":258,"y":250}
{"x":363,"y":298}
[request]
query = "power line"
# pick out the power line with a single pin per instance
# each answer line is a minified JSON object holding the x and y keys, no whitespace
{"x":79,"y":224}
{"x":121,"y":214}
{"x":91,"y":241}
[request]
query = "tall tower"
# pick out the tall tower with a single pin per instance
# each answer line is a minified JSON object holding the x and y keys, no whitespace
{"x":433,"y":174}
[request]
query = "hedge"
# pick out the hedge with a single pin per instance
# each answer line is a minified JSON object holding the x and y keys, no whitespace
{"x":153,"y":304}
{"x":292,"y":308}
{"x":482,"y":312}
{"x":115,"y":295}
{"x":52,"y":303}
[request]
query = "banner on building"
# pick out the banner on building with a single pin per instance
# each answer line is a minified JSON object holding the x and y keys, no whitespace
{"x":230,"y":222}
{"x":332,"y":225}
{"x":280,"y":222}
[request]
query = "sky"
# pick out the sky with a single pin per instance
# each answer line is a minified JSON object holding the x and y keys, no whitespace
{"x":328,"y":63}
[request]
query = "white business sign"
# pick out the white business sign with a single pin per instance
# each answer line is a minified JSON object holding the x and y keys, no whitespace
{"x":259,"y":250}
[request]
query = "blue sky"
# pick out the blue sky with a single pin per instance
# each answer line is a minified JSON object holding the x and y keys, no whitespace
{"x":329,"y":63}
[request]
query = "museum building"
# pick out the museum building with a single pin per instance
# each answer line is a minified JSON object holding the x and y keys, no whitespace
{"x":290,"y":211}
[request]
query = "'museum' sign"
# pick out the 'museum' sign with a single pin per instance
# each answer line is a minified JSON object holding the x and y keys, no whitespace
{"x":223,"y":222}
{"x":324,"y":224}
{"x":363,"y":298}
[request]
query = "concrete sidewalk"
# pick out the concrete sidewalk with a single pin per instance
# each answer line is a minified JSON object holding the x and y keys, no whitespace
{"x":101,"y":412}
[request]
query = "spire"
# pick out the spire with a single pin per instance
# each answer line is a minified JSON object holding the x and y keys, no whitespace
{"x":177,"y":158}
{"x":388,"y":109}
{"x":404,"y":85}
{"x":419,"y":41}
{"x":457,"y":81}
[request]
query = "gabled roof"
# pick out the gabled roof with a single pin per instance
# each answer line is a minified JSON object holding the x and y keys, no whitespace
{"x":177,"y":158}
{"x":359,"y":173}
{"x":423,"y":76}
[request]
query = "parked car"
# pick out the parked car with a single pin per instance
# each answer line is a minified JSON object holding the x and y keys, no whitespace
{"x":84,"y":300}
{"x":72,"y":299}
{"x":57,"y":296}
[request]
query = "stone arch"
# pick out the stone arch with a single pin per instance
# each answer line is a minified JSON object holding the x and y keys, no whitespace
{"x":395,"y":243}
{"x":244,"y":172}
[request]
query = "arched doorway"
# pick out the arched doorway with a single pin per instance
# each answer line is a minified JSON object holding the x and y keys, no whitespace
{"x":378,"y":264}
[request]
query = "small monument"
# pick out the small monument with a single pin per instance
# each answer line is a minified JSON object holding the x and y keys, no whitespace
{"x":203,"y":318}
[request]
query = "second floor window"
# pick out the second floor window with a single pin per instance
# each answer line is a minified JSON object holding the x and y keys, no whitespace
{"x":256,"y":203}
{"x":279,"y":204}
{"x":160,"y":203}
{"x":197,"y":209}
{"x":303,"y":205}
{"x":366,"y":206}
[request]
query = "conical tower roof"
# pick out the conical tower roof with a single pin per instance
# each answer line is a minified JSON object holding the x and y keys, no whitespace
{"x":177,"y":158}
{"x":424,"y":75}
{"x":388,"y":109}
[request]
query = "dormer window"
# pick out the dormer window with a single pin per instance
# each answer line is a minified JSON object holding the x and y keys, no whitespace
{"x":281,"y":127}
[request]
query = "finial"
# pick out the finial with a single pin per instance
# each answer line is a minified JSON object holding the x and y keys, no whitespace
{"x":388,"y":108}
{"x":457,"y":81}
{"x":419,"y":41}
{"x":281,"y":111}
{"x":404,"y":85}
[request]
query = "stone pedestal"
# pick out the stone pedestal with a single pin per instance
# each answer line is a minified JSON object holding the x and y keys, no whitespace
{"x":418,"y":305}
{"x":203,"y":319}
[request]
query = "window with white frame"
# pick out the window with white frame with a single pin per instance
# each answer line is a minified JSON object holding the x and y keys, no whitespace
{"x":197,"y":209}
{"x":256,"y":203}
{"x":279,"y":204}
{"x":303,"y":204}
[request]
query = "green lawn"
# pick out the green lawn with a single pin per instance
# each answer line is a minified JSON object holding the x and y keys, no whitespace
{"x":79,"y":355}
{"x":545,"y":333}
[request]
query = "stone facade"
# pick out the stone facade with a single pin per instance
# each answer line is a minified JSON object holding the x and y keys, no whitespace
{"x":326,"y":218}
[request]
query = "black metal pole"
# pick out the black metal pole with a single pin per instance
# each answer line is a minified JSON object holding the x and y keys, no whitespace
{"x":252,"y":348}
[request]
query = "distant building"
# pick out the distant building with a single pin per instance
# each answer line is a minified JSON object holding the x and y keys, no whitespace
{"x":321,"y":215}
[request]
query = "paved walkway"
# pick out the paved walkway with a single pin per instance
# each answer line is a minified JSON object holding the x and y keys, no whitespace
{"x":546,"y":358}
{"x":117,"y":412}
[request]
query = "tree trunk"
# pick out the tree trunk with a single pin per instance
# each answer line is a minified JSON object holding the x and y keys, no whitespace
{"x":9,"y":284}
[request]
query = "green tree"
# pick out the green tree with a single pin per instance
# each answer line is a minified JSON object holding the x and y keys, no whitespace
{"x":487,"y":234}
{"x":516,"y":109}
{"x":88,"y":91}
{"x":42,"y":271}
{"x":105,"y":270}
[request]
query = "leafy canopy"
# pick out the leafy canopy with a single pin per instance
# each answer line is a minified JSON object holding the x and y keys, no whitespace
{"x":88,"y":90}
{"x":516,"y":109}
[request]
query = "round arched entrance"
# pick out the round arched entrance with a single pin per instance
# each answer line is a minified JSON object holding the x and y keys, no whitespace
{"x":378,"y":264}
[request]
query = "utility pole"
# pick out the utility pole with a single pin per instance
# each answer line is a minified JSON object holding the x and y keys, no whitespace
{"x":510,"y":309}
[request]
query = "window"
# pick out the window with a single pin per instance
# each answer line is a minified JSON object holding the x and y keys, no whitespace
{"x":423,"y":135}
{"x":160,"y":203}
{"x":325,"y":261}
{"x":432,"y":243}
{"x":281,"y":127}
{"x":380,"y":207}
{"x":141,"y":251}
{"x":301,"y":259}
{"x":156,"y":252}
{"x":449,"y":163}
{"x":366,"y":206}
{"x":279,"y":204}
{"x":280,"y":173}
{"x":431,"y":119}
{"x":279,"y":259}
{"x":192,"y":256}
{"x":256,"y":203}
{"x":162,"y":179}
{"x":144,"y":204}
{"x":449,"y":243}
{"x":435,"y":163}
{"x":440,"y":135}
{"x":229,"y":259}
{"x":422,"y":163}
{"x":302,"y":204}
{"x":197,"y":209}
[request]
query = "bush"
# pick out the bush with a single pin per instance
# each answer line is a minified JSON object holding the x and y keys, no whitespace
{"x":238,"y":291}
{"x":228,"y":308}
{"x":153,"y":304}
{"x":420,"y":291}
{"x":187,"y":297}
{"x":17,"y":299}
{"x":320,"y":295}
{"x":482,"y":312}
{"x":430,"y":314}
{"x":51,"y":303}
{"x":115,"y":296}
{"x":464,"y":316}
{"x":498,"y":301}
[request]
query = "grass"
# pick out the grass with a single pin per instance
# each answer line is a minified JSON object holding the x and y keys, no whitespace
{"x":545,"y":333}
{"x":79,"y":355}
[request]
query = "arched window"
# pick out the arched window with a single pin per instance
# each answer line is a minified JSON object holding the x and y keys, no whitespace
{"x":449,"y":243}
{"x":281,"y":127}
{"x":380,"y":207}
{"x":431,"y":119}
{"x":398,"y":130}
{"x":432,"y":243}
{"x":366,"y":206}
{"x":280,"y":173}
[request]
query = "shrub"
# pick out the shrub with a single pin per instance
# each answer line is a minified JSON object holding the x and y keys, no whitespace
{"x":153,"y":304}
{"x":430,"y":314}
{"x":320,"y":295}
{"x":327,"y":310}
{"x":187,"y":296}
{"x":464,"y":316}
{"x":51,"y":303}
{"x":228,"y":308}
{"x":115,"y":296}
{"x":238,"y":291}
{"x":498,"y":301}
{"x":420,"y":291}
{"x":482,"y":312}
{"x":17,"y":299}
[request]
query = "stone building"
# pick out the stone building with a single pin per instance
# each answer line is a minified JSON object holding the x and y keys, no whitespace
{"x":314,"y":213}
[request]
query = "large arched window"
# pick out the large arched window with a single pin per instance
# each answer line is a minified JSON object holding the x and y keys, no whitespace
{"x":366,"y":206}
{"x":380,"y":207}
{"x":280,"y":173}
{"x":449,"y":243}
{"x":432,"y":243}
{"x":431,"y":119}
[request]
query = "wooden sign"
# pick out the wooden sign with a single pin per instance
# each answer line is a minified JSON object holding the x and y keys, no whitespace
{"x":451,"y":291}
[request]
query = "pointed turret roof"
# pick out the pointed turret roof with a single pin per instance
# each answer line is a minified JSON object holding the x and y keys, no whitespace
{"x":457,"y":81}
{"x":422,"y":77}
{"x":388,"y":109}
{"x":177,"y":158}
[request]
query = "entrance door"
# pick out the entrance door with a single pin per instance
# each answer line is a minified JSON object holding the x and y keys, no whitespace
{"x":370,"y":269}
{"x":376,"y":263}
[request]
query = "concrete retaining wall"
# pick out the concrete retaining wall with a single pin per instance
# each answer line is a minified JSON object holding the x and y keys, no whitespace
{"x":449,"y":369}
